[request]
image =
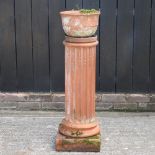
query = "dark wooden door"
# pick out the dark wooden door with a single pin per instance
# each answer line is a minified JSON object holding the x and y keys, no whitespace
{"x":32,"y":53}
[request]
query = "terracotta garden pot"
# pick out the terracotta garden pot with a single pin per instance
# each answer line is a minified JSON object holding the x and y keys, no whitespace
{"x":77,"y":24}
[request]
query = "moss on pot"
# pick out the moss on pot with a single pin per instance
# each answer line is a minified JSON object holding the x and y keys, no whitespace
{"x":88,"y":11}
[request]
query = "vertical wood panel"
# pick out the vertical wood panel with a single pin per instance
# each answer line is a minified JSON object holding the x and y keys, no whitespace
{"x":7,"y":46}
{"x":73,"y":4}
{"x":124,"y":45}
{"x":108,"y":45}
{"x":141,"y":45}
{"x":24,"y":45}
{"x":56,"y":46}
{"x":90,"y":4}
{"x":40,"y":44}
{"x":152,"y":56}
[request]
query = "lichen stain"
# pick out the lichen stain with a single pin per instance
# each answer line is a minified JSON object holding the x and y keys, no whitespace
{"x":77,"y":22}
{"x":66,"y":29}
{"x":66,"y":20}
{"x":88,"y":31}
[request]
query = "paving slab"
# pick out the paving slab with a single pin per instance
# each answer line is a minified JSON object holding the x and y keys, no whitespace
{"x":33,"y":133}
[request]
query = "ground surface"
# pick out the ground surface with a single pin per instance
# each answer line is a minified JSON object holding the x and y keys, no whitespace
{"x":33,"y":133}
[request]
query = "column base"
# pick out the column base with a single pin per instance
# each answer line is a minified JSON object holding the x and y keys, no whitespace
{"x":86,"y":144}
{"x":79,"y":130}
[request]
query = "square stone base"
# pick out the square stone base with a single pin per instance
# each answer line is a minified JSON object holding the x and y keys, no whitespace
{"x":88,"y":144}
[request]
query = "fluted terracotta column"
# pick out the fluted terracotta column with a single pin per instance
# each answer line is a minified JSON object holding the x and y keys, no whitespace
{"x":79,"y":130}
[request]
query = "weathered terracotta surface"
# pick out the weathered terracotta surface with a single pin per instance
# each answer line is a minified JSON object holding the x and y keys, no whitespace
{"x":80,"y":70}
{"x":79,"y":25}
{"x":89,"y":144}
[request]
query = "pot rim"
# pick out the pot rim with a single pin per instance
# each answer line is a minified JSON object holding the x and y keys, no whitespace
{"x":77,"y":13}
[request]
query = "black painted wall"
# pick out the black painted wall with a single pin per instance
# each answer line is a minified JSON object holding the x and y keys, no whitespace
{"x":32,"y":53}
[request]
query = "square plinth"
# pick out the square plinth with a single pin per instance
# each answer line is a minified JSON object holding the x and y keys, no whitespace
{"x":88,"y":144}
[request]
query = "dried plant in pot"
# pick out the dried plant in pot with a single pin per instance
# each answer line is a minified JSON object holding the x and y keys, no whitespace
{"x":80,"y":23}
